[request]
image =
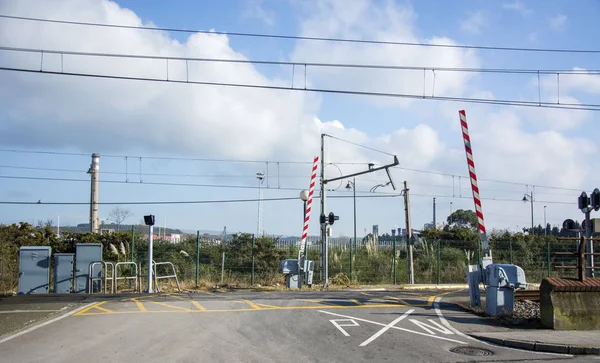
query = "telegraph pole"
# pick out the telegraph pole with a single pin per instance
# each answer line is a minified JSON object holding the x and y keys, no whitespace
{"x":411,"y":274}
{"x":324,"y":272}
{"x":94,"y":172}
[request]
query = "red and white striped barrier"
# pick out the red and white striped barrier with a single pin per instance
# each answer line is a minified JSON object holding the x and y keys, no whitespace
{"x":472,"y":174}
{"x":311,"y":190}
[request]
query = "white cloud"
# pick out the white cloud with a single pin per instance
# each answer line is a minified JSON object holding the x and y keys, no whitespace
{"x":366,"y":20}
{"x":256,"y":10}
{"x":474,"y":23}
{"x":517,"y":6}
{"x":558,"y":21}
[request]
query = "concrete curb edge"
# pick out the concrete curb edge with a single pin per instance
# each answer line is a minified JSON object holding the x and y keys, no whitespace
{"x":538,"y":346}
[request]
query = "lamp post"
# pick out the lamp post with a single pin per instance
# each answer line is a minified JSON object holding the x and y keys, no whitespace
{"x":451,"y":212}
{"x":529,"y":197}
{"x":352,"y":184}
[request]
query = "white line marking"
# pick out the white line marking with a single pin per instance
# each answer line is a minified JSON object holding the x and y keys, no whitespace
{"x":385,"y":328}
{"x":339,"y":326}
{"x":28,"y":311}
{"x":394,"y":327}
{"x":28,"y":330}
{"x":430,"y":328}
{"x":436,"y":306}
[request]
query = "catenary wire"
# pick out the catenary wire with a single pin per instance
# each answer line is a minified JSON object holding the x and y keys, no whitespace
{"x":308,"y":64}
{"x":307,"y":38}
{"x":536,"y":104}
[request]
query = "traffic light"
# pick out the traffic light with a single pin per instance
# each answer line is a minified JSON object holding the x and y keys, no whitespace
{"x":569,"y":224}
{"x":332,"y":218}
{"x":595,"y":199}
{"x":583,"y":201}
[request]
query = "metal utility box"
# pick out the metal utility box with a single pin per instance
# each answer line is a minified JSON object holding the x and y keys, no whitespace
{"x":289,"y":267}
{"x":34,"y":269}
{"x":85,"y":254}
{"x":293,"y":279}
{"x":502,"y":280}
{"x":309,"y":269}
{"x":63,"y":272}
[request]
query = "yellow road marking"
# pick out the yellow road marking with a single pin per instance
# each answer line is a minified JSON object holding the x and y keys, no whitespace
{"x":430,"y":300}
{"x":139,"y":305}
{"x":365,"y":293}
{"x":356,"y":301}
{"x":374,"y":306}
{"x":170,"y":306}
{"x":252,"y":305}
{"x":197,"y":304}
{"x":397,"y":299}
{"x":269,"y":306}
{"x":90,"y":308}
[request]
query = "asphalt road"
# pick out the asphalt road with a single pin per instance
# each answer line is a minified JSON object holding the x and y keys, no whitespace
{"x":263,"y":327}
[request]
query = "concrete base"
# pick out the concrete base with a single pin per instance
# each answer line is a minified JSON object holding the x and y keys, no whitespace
{"x":567,"y":304}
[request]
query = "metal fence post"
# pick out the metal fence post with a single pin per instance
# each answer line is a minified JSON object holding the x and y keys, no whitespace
{"x":394,"y":248}
{"x":439,"y":259}
{"x":548,"y":256}
{"x":510,"y":250}
{"x":197,"y":256}
{"x":252,"y":275}
{"x":132,"y":249}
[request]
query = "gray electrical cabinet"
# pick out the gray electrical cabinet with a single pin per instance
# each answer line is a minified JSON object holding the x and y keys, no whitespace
{"x":502,"y":280}
{"x":85,"y":254}
{"x":63,"y":272}
{"x":34,"y":270}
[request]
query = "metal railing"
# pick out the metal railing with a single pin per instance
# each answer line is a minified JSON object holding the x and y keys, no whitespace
{"x":104,"y":278}
{"x":581,"y":265}
{"x":116,"y":277}
{"x":156,"y":277}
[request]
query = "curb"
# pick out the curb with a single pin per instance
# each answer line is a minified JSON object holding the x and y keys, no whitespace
{"x":538,"y":346}
{"x":433,"y":287}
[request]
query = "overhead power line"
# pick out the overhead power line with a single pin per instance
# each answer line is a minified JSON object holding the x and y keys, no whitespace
{"x":536,"y":104}
{"x":188,"y":201}
{"x":306,"y":38}
{"x":308,"y":64}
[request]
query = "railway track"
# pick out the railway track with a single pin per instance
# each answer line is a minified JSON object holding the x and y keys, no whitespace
{"x":531,"y":295}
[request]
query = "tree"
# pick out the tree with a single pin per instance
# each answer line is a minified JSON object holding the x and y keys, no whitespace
{"x":463,"y":218}
{"x":119,"y":215}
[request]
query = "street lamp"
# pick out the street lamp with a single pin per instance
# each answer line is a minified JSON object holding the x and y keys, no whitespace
{"x":352,"y":184}
{"x":529,"y":197}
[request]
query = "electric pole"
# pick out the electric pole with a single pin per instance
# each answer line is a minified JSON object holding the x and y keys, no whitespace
{"x":94,"y":172}
{"x":411,"y":275}
{"x":324,"y":272}
{"x":434,"y":224}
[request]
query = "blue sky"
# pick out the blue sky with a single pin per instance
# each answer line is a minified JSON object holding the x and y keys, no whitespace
{"x":126,"y":118}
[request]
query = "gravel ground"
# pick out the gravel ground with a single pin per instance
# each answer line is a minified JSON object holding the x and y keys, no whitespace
{"x":526,"y":314}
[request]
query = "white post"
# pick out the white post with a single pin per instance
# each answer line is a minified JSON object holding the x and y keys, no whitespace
{"x":150,"y":232}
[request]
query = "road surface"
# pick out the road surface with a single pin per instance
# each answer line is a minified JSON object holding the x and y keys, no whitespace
{"x":343,"y":326}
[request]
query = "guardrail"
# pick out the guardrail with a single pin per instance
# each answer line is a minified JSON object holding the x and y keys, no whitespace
{"x":116,"y":277}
